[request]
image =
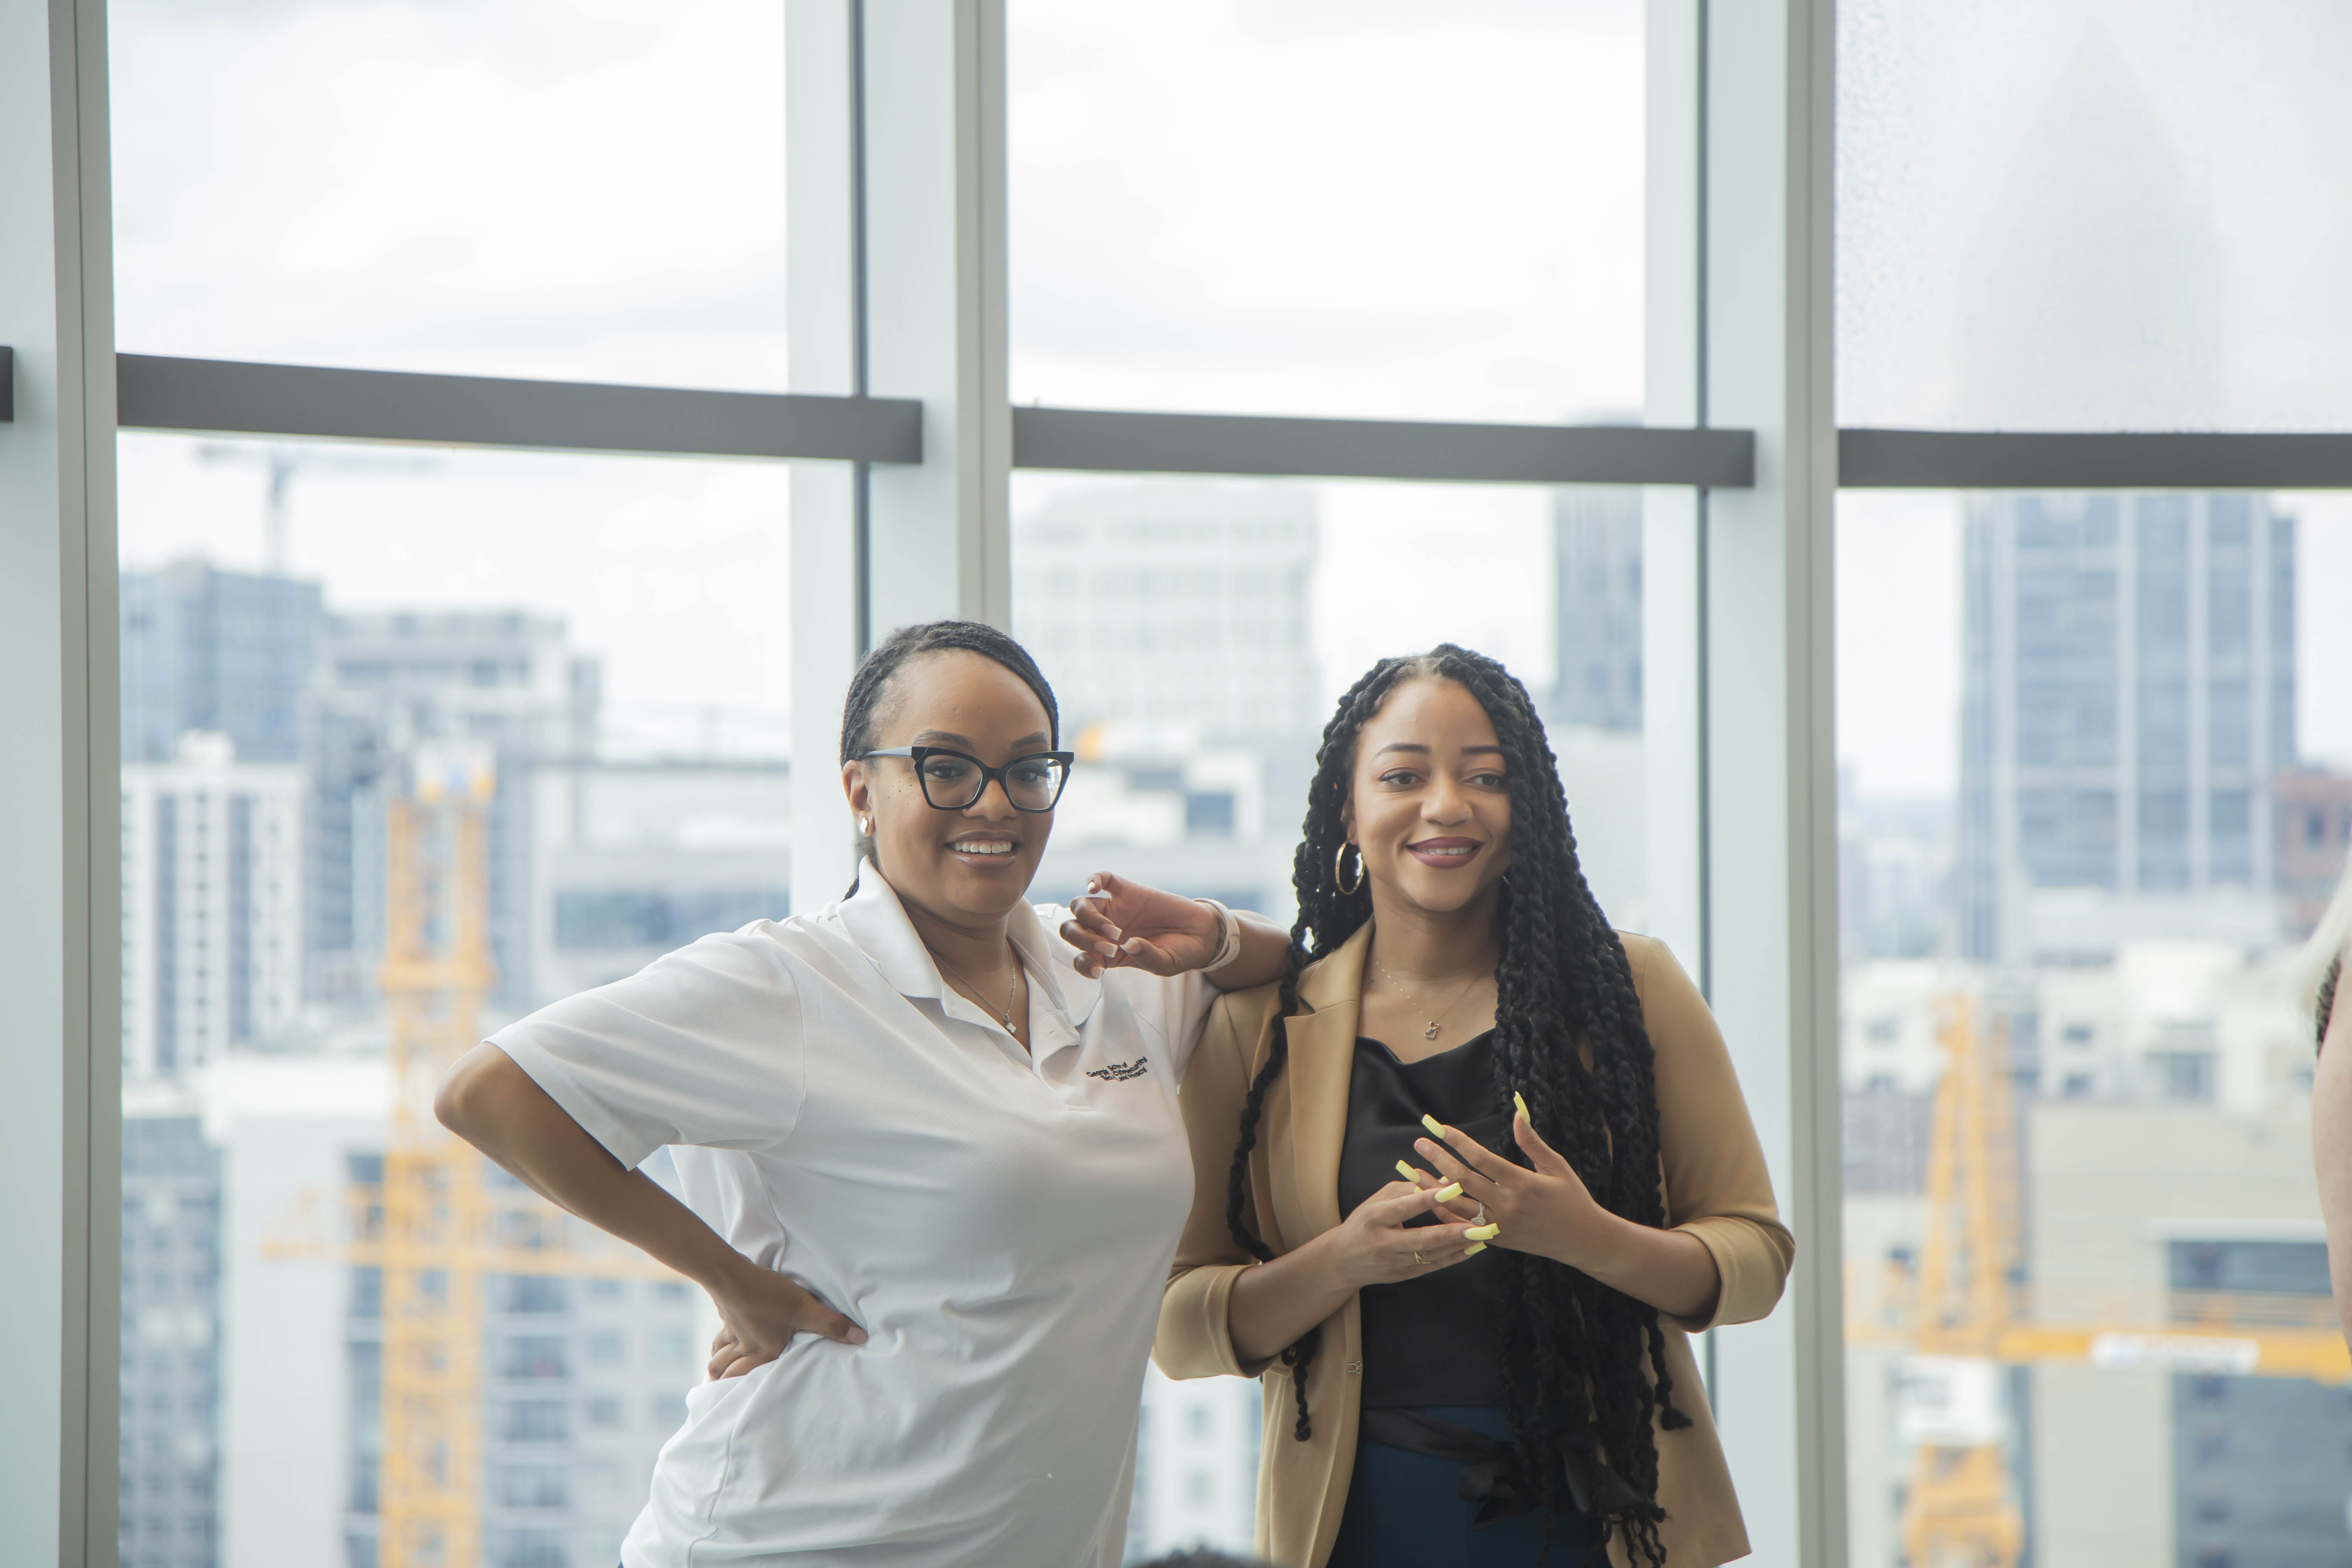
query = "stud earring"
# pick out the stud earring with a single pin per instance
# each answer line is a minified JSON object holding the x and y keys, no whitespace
{"x":865,"y":828}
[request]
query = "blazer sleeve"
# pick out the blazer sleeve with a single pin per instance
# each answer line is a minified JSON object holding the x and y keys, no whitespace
{"x":1716,"y":1187}
{"x":1195,"y":1339}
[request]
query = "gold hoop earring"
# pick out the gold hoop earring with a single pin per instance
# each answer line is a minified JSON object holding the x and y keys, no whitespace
{"x":1339,"y":868}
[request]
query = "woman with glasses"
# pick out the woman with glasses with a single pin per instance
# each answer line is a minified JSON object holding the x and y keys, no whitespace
{"x":931,"y":1156}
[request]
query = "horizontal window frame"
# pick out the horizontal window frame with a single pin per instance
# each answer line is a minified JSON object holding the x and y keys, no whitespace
{"x":1112,"y":441}
{"x":1870,"y":459}
{"x":235,"y":398}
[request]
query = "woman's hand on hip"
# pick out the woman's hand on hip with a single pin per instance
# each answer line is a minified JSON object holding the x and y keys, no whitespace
{"x":1374,"y":1246}
{"x":760,"y":1311}
{"x":1130,"y":926}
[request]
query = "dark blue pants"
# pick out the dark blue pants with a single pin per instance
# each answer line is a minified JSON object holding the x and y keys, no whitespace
{"x":1405,"y":1511}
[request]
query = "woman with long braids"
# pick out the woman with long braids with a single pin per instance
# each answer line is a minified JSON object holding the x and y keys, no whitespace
{"x":930,"y":1145}
{"x":1457,"y":1023}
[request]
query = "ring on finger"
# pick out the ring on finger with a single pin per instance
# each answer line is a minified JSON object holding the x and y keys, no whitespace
{"x":1417,"y":1261}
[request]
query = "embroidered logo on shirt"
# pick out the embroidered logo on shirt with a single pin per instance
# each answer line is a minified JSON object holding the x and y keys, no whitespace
{"x":1119,"y":1072}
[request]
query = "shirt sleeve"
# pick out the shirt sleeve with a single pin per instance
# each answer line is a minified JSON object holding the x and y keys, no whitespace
{"x":1716,"y":1187}
{"x":701,"y":1047}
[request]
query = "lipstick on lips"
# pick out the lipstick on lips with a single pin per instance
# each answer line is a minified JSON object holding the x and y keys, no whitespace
{"x":1445,"y":854}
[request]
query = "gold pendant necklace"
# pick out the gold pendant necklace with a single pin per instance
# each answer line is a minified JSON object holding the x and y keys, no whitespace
{"x":1431,"y":1032}
{"x":1011,"y":1002}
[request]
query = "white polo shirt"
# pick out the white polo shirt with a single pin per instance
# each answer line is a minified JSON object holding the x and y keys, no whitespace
{"x":998,"y":1221}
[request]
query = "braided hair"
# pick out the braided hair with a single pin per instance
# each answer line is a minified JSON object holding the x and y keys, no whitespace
{"x":879,"y":668}
{"x":1582,"y":1365}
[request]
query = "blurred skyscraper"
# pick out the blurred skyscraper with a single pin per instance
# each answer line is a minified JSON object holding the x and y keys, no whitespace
{"x":2128,"y":701}
{"x":388,"y":679}
{"x":1174,"y":605}
{"x":167,"y":1515}
{"x":207,"y":649}
{"x":1597,"y":536}
{"x":212,"y":905}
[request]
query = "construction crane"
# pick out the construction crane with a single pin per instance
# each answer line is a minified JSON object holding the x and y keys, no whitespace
{"x":1965,"y":1302}
{"x":437,"y":970}
{"x":433,"y":1225}
{"x":281,"y":462}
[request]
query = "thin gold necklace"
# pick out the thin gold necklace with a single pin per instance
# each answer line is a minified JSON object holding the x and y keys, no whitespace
{"x":980,"y":996}
{"x":1431,"y":1032}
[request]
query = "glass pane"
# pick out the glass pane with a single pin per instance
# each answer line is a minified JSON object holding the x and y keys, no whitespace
{"x":2096,"y":783}
{"x":2089,"y":215}
{"x":1199,"y":632}
{"x":1390,"y":210}
{"x":543,"y":188}
{"x":495,"y":709}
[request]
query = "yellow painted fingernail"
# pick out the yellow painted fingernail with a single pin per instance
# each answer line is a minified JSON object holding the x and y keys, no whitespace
{"x":1405,"y":1170}
{"x":1446,"y":1194}
{"x":1482,"y":1233}
{"x":1473,"y":1249}
{"x":1521,"y":1101}
{"x":1435,"y":1130}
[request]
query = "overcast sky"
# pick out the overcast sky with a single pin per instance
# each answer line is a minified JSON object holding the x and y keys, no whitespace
{"x":1375,"y":208}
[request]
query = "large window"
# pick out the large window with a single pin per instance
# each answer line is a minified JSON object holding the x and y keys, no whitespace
{"x":592,"y":192}
{"x":2094,"y":786}
{"x":553,"y":628}
{"x":2067,"y":215}
{"x":2096,"y":783}
{"x":1387,"y":210}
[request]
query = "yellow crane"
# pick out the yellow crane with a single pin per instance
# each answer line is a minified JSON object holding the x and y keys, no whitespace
{"x":430,"y":1208}
{"x":1963,"y":1301}
{"x":435,"y":1226}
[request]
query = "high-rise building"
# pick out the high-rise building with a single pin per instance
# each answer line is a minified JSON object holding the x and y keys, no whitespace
{"x":1184,"y":605}
{"x":1597,"y":538}
{"x":212,"y":905}
{"x":2315,"y":838}
{"x":223,"y":651}
{"x":635,"y":857}
{"x":2128,"y":697}
{"x":1196,"y":1466}
{"x":390,"y":680}
{"x":168,"y":1507}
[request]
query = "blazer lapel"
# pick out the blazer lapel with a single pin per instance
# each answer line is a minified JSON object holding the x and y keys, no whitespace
{"x":1322,"y":1061}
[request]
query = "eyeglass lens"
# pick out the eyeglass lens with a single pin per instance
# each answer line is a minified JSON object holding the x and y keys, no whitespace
{"x":951,"y":783}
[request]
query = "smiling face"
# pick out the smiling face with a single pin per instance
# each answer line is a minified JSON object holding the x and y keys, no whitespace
{"x":1428,"y":805}
{"x":968,"y":866}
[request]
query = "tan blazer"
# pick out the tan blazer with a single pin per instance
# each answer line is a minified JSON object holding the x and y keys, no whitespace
{"x":1715,"y":1189}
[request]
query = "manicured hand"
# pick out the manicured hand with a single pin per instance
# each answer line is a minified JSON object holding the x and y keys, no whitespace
{"x":1132,"y":926}
{"x":759,"y":1312}
{"x":1374,"y":1245}
{"x":1461,"y":1206}
{"x":1548,"y":1211}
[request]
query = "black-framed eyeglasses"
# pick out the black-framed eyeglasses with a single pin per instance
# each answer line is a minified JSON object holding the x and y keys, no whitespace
{"x":955,"y":782}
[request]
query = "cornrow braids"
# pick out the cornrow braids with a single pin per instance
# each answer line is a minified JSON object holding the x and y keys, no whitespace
{"x":879,"y":669}
{"x":1583,"y":1366}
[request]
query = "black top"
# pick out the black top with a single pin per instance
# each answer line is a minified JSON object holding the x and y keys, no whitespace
{"x":1431,"y":1339}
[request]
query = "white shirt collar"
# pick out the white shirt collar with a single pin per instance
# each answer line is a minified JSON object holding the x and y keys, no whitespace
{"x":878,"y":923}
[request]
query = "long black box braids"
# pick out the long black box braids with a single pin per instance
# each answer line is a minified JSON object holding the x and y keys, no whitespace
{"x":1582,"y":1365}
